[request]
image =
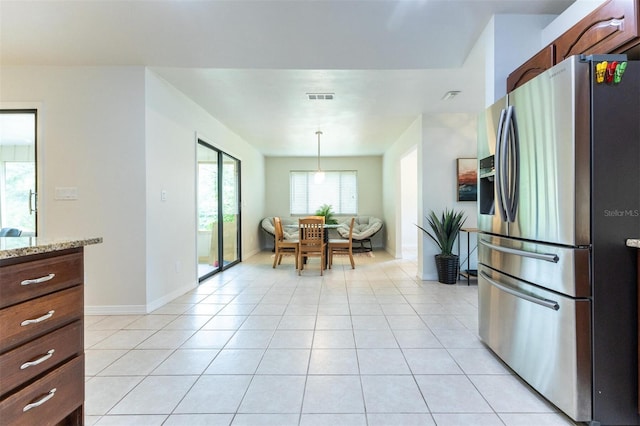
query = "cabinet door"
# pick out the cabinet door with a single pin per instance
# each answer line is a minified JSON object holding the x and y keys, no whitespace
{"x":539,"y":63}
{"x":22,"y":364}
{"x":25,"y":321}
{"x":611,"y":28}
{"x":28,"y":280}
{"x":48,"y":400}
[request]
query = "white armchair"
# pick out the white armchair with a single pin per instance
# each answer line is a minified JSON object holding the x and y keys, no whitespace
{"x":364,"y":228}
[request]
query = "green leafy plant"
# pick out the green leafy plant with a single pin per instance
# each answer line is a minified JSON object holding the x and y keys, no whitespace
{"x":326,"y":210}
{"x":444,"y":229}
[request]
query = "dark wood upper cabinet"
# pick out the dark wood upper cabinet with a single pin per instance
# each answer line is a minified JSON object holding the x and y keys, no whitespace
{"x":611,"y":28}
{"x":540,"y":62}
{"x":608,"y":29}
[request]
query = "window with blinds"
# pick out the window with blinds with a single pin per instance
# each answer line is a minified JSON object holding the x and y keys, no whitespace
{"x":338,"y":189}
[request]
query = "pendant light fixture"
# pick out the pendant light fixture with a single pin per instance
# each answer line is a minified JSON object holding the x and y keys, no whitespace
{"x":319,"y":176}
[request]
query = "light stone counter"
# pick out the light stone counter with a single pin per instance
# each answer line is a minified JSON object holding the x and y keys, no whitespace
{"x":11,"y":247}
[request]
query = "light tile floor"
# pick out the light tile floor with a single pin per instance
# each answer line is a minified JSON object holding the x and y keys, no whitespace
{"x":260,"y":346}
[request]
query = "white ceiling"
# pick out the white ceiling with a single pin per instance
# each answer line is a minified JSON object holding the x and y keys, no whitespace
{"x":250,"y":63}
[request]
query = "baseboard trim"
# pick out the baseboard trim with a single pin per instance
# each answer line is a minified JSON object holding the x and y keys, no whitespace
{"x":160,"y":302}
{"x":115,"y":310}
{"x":138,"y":309}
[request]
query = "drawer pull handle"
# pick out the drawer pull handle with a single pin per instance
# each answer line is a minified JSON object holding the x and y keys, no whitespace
{"x":37,"y":320}
{"x":44,"y":399}
{"x":38,"y":361}
{"x":38,"y":280}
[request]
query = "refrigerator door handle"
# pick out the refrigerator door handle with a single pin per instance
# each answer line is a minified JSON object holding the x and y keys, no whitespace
{"x":548,"y":257}
{"x":504,"y":162}
{"x":514,"y":164}
{"x":551,"y":304}
{"x":500,"y":194}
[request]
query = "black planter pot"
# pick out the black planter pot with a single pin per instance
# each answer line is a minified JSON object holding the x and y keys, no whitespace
{"x":448,"y":267}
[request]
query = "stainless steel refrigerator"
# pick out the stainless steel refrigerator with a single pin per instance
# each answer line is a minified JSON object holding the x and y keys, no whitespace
{"x":559,"y":193}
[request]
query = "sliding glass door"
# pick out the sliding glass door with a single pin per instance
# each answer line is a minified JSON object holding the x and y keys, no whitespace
{"x":230,"y":206}
{"x":218,"y":210}
{"x":18,"y":171}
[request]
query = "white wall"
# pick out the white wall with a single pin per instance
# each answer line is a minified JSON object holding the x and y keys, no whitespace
{"x":445,"y":138}
{"x":514,"y":39}
{"x":409,"y":204}
{"x":369,"y":171}
{"x":120,"y":135}
{"x":410,"y":139}
{"x":440,"y":140}
{"x":92,"y":138}
{"x":173,"y":123}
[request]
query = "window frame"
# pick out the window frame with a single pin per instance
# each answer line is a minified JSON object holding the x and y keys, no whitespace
{"x":340,"y":207}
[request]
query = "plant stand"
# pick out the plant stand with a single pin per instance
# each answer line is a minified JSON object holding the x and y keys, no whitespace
{"x":468,"y":273}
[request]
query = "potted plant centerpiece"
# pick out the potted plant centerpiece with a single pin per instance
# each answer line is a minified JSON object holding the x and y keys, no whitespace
{"x":326,"y":210}
{"x":444,"y":231}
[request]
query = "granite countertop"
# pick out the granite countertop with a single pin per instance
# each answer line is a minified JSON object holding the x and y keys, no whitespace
{"x":631,"y":242}
{"x":11,"y":247}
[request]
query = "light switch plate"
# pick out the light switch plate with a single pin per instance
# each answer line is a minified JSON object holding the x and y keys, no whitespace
{"x":66,"y":193}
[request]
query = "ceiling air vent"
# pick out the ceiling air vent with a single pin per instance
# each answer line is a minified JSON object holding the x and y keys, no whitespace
{"x":320,"y":96}
{"x":450,"y":95}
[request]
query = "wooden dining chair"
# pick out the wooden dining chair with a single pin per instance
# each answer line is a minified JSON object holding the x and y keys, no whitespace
{"x":342,"y":246}
{"x":316,"y":217}
{"x":312,"y":243}
{"x":283,"y":246}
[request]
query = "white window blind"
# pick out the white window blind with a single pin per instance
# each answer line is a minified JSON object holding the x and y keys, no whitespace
{"x":339,"y":189}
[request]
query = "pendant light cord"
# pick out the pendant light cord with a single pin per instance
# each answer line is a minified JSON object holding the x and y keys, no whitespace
{"x":318,"y":133}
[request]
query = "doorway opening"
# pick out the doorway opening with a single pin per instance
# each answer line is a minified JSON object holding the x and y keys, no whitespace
{"x":408,"y":247}
{"x":219,"y":231}
{"x":18,"y":172}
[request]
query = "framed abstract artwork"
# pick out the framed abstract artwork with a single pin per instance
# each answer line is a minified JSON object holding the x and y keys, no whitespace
{"x":467,"y":179}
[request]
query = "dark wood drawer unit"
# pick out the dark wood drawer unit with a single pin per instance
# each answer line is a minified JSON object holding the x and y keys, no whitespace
{"x":49,"y":400}
{"x":27,"y":280}
{"x":25,"y":321}
{"x":40,"y":355}
{"x":611,"y":28}
{"x":42,"y":339}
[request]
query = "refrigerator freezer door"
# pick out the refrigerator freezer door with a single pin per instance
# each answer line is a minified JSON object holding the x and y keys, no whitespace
{"x":561,"y":269}
{"x":544,"y":337}
{"x":489,"y":208}
{"x":546,"y":108}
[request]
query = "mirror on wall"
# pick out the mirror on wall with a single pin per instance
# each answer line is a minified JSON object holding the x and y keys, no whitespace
{"x":18,"y":176}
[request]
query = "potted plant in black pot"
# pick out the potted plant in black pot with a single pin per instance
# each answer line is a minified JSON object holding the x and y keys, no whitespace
{"x":444,"y":231}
